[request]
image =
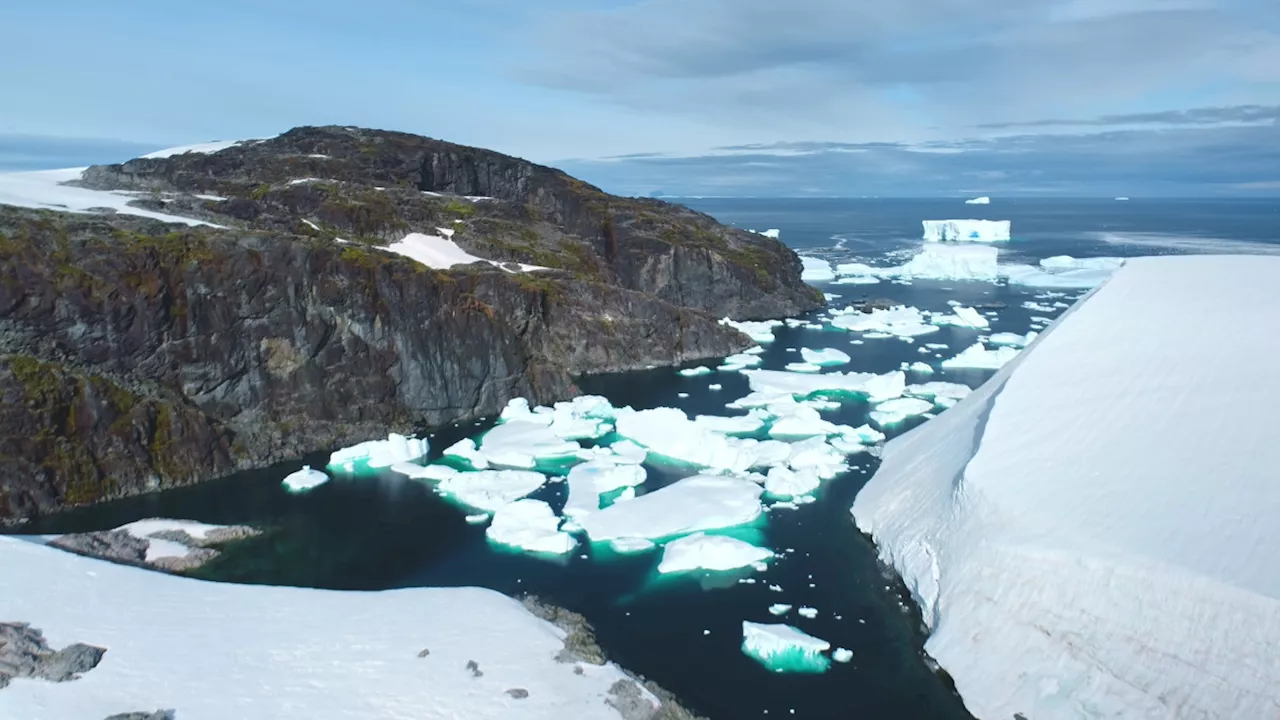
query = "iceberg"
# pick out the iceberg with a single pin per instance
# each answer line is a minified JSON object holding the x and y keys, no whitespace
{"x":1063,"y":271}
{"x":782,"y":648}
{"x":377,"y":454}
{"x":816,"y":270}
{"x":943,"y":394}
{"x":966,"y":230}
{"x":588,"y":481}
{"x":895,"y":411}
{"x":466,"y":451}
{"x":529,"y":525}
{"x":780,"y":382}
{"x":520,"y":444}
{"x":897,"y":321}
{"x":963,"y":317}
{"x":984,"y":200}
{"x":783,"y":482}
{"x":1012,"y":339}
{"x":950,"y":262}
{"x":759,"y":330}
{"x":825,"y":356}
{"x":977,"y":357}
{"x":740,"y":361}
{"x":700,"y":551}
{"x":491,"y":489}
{"x":304,"y":480}
{"x":695,"y":371}
{"x":700,"y":502}
{"x":1073,"y":562}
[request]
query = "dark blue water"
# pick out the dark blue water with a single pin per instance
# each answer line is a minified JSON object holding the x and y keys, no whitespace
{"x":388,"y":532}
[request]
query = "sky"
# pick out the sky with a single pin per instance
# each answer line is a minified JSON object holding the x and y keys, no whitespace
{"x":684,"y":97}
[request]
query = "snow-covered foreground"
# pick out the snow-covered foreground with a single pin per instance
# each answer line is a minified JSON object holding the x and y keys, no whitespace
{"x":1093,"y":532}
{"x":44,"y":189}
{"x":213,"y":651}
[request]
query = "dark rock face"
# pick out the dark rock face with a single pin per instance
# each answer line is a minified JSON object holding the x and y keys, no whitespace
{"x":157,"y":715}
{"x":24,"y":653}
{"x":121,"y":546}
{"x":137,"y":355}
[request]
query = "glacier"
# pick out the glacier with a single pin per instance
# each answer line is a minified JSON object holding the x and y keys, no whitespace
{"x":1092,"y":532}
{"x":966,"y":230}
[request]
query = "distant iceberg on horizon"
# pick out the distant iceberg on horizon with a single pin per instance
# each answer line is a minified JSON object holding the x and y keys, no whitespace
{"x":984,"y":200}
{"x":966,"y":230}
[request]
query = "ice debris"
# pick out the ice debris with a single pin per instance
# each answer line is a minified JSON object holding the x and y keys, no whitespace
{"x":377,"y":454}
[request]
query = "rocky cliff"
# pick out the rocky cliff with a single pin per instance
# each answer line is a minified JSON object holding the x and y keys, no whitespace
{"x":137,"y":355}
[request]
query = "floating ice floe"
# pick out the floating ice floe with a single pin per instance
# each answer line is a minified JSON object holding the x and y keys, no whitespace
{"x":842,"y":655}
{"x":978,"y":357}
{"x":377,"y":454}
{"x":529,"y":525}
{"x":740,"y":361}
{"x":466,"y":451}
{"x":966,"y":230}
{"x":759,"y":330}
{"x":731,"y":424}
{"x":782,"y":648}
{"x":1062,"y":271}
{"x":491,"y":489}
{"x":701,"y":502}
{"x":588,"y":481}
{"x":935,"y":261}
{"x":898,"y":410}
{"x":700,"y":551}
{"x":943,"y":394}
{"x":1012,"y":339}
{"x":816,"y":270}
{"x":921,"y":367}
{"x":963,"y":317}
{"x":874,"y":387}
{"x":802,"y":421}
{"x":779,"y":608}
{"x":629,"y":546}
{"x":424,"y":472}
{"x":304,"y":479}
{"x":825,"y":356}
{"x":782,"y":482}
{"x":521,"y":443}
{"x":984,"y":200}
{"x":694,"y":371}
{"x":899,"y":321}
{"x":803,"y":367}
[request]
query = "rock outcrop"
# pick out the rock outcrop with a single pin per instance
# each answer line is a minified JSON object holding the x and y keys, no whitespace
{"x":137,"y":355}
{"x":24,"y":653}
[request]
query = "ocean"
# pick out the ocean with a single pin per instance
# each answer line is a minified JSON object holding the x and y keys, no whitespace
{"x":387,"y":531}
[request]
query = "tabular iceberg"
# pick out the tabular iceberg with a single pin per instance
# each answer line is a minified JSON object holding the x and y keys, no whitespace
{"x":1071,"y":562}
{"x":966,"y":230}
{"x":984,"y":200}
{"x":782,"y":648}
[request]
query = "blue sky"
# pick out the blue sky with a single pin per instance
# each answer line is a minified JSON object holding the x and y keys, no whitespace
{"x":715,"y":97}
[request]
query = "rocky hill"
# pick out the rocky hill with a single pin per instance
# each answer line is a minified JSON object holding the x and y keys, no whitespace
{"x":137,"y":355}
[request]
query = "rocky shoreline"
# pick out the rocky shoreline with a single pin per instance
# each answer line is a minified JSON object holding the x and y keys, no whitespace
{"x":138,"y":355}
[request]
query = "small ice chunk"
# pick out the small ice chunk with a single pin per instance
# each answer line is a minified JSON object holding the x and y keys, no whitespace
{"x":803,"y":367}
{"x":377,"y":454}
{"x":943,"y":394}
{"x":816,"y":270}
{"x":761,"y":331}
{"x":965,"y":317}
{"x":530,"y":525}
{"x":896,"y":411}
{"x":825,"y":356}
{"x":921,"y":367}
{"x":714,"y":386}
{"x":465,"y":450}
{"x":778,"y":608}
{"x":782,"y":482}
{"x":491,"y":489}
{"x":1012,"y":339}
{"x":628,"y":546}
{"x":782,"y":648}
{"x":700,"y":551}
{"x":740,"y":361}
{"x":808,"y":612}
{"x":304,"y":480}
{"x":978,"y":357}
{"x":842,"y":655}
{"x":588,"y":481}
{"x":693,"y":371}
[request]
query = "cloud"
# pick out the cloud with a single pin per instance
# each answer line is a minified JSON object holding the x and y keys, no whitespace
{"x":912,"y":69}
{"x":1196,"y":116}
{"x":1187,"y":161}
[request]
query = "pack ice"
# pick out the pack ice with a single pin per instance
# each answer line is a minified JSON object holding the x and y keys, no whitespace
{"x":1079,"y":541}
{"x":966,"y":230}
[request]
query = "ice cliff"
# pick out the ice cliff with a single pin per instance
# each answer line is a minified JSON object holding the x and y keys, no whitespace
{"x":1092,"y":533}
{"x":966,"y":230}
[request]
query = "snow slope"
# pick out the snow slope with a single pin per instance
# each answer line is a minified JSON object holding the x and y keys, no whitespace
{"x":213,"y":651}
{"x":1093,"y":532}
{"x":44,"y":189}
